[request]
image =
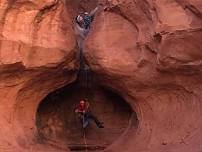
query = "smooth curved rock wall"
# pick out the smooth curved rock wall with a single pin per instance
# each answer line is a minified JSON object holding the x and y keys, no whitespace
{"x":148,"y":51}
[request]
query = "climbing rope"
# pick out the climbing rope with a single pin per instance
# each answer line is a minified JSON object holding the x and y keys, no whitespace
{"x":84,"y":136}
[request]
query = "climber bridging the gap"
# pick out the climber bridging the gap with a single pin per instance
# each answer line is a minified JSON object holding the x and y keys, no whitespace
{"x":84,"y":20}
{"x":84,"y":113}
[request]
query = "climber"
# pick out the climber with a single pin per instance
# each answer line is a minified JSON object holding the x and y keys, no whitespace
{"x":84,"y":113}
{"x":84,"y":20}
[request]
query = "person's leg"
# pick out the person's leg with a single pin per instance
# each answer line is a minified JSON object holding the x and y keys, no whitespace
{"x":86,"y":120}
{"x":94,"y":118}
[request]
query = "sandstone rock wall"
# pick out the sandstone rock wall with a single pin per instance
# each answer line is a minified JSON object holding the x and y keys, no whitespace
{"x":148,"y":51}
{"x":37,"y":54}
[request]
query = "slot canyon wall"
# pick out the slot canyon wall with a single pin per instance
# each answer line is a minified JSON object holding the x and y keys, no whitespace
{"x":148,"y":51}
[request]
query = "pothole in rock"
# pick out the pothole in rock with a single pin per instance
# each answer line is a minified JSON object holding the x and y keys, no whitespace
{"x":58,"y":125}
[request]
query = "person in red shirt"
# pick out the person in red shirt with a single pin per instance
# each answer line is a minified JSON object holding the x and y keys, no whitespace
{"x":84,"y":112}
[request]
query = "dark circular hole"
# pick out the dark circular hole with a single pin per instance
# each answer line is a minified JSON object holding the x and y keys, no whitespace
{"x":58,"y":124}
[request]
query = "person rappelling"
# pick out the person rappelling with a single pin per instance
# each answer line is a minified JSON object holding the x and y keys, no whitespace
{"x":85,"y":114}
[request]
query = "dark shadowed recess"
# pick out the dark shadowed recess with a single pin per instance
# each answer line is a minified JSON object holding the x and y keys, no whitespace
{"x":59,"y":126}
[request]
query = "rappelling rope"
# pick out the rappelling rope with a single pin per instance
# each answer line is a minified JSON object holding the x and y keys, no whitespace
{"x":84,"y":136}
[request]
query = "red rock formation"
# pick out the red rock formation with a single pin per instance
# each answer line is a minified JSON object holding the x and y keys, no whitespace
{"x":148,"y":51}
{"x":66,"y":132}
{"x":38,"y":54}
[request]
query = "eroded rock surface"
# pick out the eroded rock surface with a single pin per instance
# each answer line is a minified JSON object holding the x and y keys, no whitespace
{"x":58,"y":125}
{"x":38,"y":54}
{"x":148,"y":51}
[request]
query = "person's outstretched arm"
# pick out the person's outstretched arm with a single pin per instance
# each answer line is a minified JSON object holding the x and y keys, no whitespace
{"x":93,"y":12}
